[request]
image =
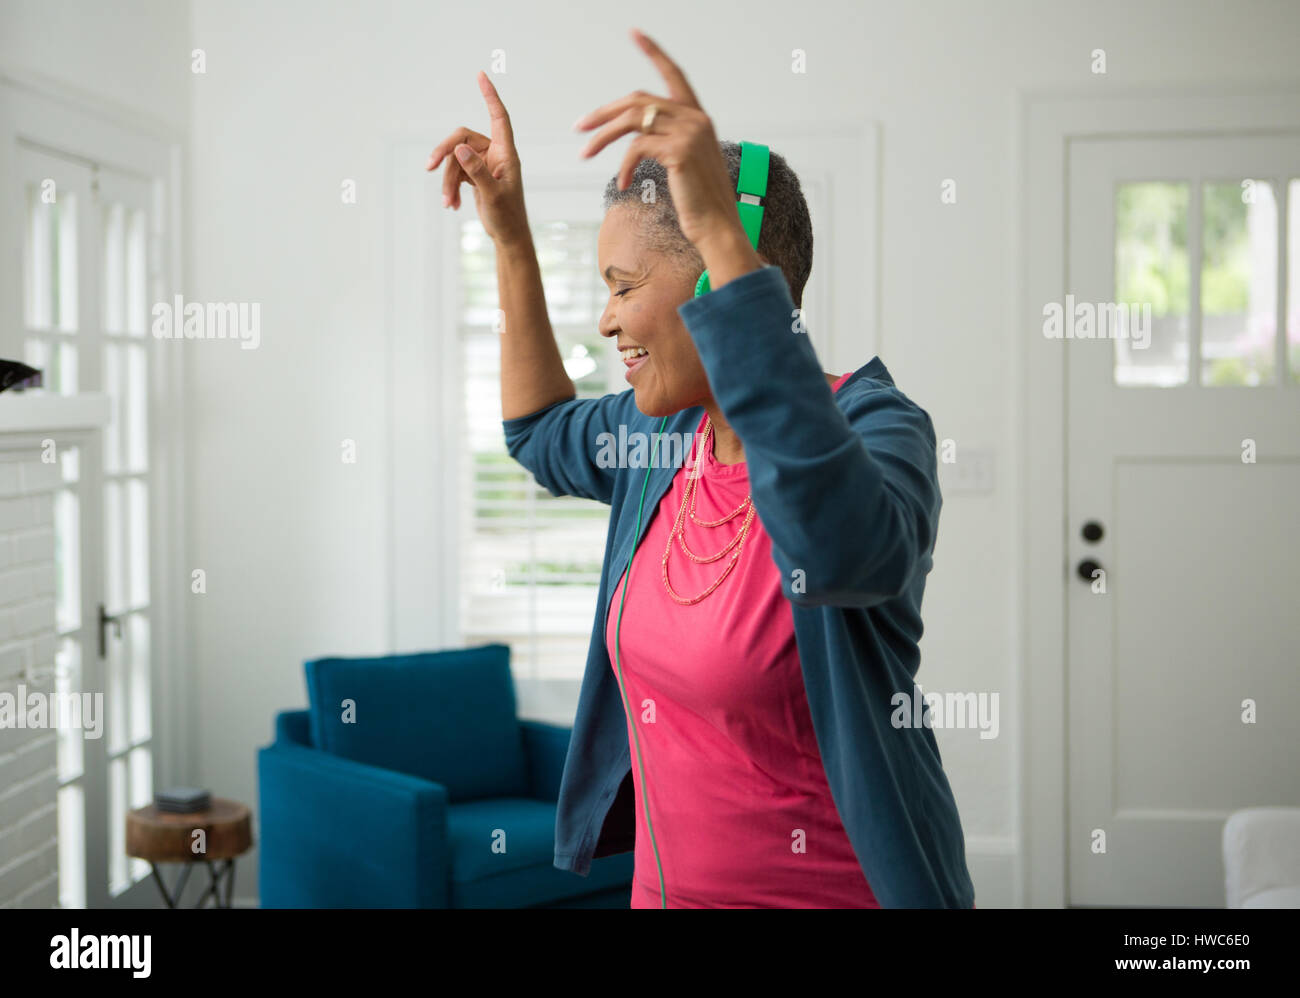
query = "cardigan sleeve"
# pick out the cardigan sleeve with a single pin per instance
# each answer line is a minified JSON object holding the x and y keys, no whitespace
{"x":850,"y":499}
{"x":571,"y":446}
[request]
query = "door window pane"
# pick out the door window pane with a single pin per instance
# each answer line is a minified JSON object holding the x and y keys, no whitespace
{"x":68,"y":682}
{"x":135,"y":408}
{"x":37,"y":260}
{"x":1293,"y":278}
{"x":67,"y":560}
{"x":116,"y":686}
{"x":141,"y":776}
{"x":137,"y":494}
{"x":72,"y":846}
{"x":1151,"y":271}
{"x":114,"y":268}
{"x":65,"y":260}
{"x":50,"y":258}
{"x":137,"y":278}
{"x":114,"y":388}
{"x":141,"y":721}
{"x":1238,"y":283}
{"x":117,"y":808}
{"x":65,"y":378}
{"x":116,"y":595}
{"x":70,"y":459}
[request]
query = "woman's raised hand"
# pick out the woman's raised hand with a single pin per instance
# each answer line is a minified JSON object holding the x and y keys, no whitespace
{"x":490,"y":166}
{"x":681,"y":139}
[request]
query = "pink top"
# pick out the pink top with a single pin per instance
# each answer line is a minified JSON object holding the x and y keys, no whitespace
{"x":741,"y":810}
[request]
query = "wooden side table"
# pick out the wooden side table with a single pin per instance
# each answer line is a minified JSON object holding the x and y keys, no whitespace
{"x":166,"y":837}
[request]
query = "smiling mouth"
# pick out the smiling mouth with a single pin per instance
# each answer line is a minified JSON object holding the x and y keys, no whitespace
{"x":634,"y":362}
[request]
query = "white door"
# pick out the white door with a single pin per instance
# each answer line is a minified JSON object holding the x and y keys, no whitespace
{"x":87,"y":275}
{"x":1183,"y":475}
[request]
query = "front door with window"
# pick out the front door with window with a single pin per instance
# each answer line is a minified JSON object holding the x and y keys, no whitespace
{"x":1183,"y":430}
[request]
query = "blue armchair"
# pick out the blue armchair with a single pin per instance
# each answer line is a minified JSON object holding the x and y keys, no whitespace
{"x":409,"y":782}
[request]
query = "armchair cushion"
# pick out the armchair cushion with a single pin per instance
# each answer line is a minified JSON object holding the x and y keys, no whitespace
{"x":502,"y":856}
{"x":447,"y":716}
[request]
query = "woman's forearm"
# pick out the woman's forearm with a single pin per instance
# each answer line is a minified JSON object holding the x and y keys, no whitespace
{"x":532,"y":370}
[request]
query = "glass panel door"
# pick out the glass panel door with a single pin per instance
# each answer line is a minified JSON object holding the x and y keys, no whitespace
{"x":90,"y":268}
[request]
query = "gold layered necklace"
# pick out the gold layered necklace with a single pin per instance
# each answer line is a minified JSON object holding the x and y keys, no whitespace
{"x":679,"y":531}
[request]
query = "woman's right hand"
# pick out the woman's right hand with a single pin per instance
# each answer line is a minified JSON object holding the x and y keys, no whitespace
{"x":491,"y":168}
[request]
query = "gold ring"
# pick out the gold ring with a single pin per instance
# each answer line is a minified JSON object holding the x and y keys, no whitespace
{"x":648,"y":119}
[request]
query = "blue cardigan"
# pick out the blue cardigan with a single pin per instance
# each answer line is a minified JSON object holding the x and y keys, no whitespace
{"x":845,"y":485}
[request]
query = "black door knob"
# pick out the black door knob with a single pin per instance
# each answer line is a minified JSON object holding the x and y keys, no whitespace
{"x":1086,"y":569}
{"x":1092,"y":531}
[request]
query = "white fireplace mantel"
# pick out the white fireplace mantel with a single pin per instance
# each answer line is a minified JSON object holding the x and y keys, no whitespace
{"x":38,"y":412}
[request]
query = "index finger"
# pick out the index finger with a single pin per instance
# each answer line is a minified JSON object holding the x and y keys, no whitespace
{"x":678,"y":88}
{"x":501,"y":130}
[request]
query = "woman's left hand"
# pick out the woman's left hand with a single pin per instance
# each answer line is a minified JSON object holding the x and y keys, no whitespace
{"x":681,"y":138}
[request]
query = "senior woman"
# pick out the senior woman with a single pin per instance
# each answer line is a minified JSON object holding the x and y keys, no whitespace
{"x":755,"y":642}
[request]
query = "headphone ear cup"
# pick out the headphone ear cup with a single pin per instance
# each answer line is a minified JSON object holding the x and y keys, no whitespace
{"x":702,"y":285}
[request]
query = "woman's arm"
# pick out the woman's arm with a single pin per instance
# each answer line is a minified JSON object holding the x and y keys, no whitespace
{"x":548,"y":430}
{"x":571,"y":445}
{"x":851,"y":507}
{"x":532,"y":371}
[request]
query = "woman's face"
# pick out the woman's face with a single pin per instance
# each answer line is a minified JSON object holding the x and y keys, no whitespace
{"x":644,"y":292}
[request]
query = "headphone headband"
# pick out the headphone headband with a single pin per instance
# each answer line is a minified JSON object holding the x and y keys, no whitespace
{"x":751,"y":189}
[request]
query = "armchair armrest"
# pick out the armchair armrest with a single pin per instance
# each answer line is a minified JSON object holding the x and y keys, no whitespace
{"x":342,"y":834}
{"x":546,"y":746}
{"x":1261,"y":851}
{"x":293,"y":727}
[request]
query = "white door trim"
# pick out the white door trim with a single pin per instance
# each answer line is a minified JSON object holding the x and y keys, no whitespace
{"x":1046,"y":125}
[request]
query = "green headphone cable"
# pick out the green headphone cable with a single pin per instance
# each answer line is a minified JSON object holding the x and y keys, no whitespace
{"x":645,"y":796}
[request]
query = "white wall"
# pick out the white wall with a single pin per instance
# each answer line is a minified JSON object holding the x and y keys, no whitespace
{"x":298,"y":95}
{"x":134,"y":53}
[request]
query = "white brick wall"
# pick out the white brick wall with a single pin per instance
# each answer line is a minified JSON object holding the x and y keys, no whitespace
{"x":28,"y":757}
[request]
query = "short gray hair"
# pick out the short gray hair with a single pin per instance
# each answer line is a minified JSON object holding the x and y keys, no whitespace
{"x":786,"y":237}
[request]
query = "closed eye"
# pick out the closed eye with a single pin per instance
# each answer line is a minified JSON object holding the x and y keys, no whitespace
{"x":620,"y":294}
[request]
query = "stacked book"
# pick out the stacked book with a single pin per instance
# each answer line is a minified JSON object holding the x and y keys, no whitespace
{"x":182,"y":800}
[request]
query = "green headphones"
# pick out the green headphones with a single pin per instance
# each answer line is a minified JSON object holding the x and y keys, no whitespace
{"x":751,"y":187}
